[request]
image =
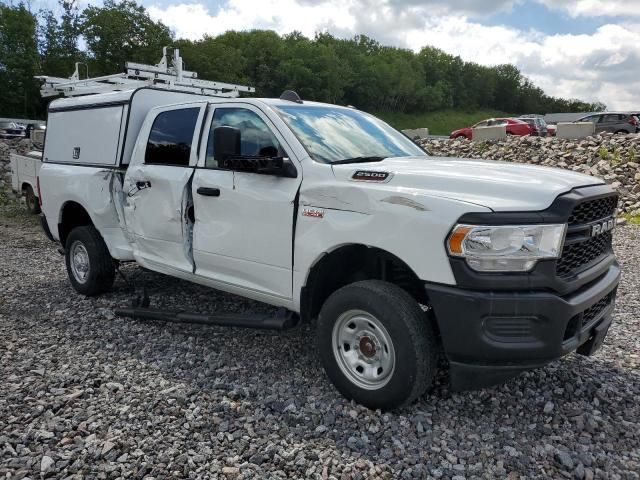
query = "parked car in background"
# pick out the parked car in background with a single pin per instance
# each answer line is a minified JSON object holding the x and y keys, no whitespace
{"x":11,"y":130}
{"x":514,"y":127}
{"x":613,"y":122}
{"x":537,"y":124}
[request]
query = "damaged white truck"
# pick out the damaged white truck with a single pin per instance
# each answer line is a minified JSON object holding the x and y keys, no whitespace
{"x":396,"y":256}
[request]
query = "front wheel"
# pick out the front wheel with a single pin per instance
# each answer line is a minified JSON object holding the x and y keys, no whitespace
{"x":89,"y":265}
{"x":377,"y":345}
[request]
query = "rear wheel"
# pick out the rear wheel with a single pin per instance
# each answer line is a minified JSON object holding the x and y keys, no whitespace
{"x":89,"y":265}
{"x":376,"y":344}
{"x":31,"y":200}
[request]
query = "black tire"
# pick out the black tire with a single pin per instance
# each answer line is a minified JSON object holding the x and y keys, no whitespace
{"x":407,"y":325}
{"x":101,"y":268}
{"x":31,"y":200}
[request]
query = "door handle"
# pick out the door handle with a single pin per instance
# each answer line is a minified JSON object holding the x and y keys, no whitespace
{"x":208,"y":192}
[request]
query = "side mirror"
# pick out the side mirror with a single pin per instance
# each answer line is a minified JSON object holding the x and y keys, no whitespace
{"x":226,"y":143}
{"x":278,"y":167}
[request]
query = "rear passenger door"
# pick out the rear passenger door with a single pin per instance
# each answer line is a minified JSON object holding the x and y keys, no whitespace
{"x":157,"y":187}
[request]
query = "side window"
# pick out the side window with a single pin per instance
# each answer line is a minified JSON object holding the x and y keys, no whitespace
{"x":256,"y":139}
{"x":170,"y":138}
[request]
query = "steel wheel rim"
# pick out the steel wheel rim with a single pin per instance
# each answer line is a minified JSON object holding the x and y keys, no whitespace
{"x":79,"y":261}
{"x":363,"y":349}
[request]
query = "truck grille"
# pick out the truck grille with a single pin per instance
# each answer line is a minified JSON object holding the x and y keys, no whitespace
{"x":576,"y":255}
{"x":593,"y":210}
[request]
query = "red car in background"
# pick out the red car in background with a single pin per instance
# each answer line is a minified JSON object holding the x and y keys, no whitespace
{"x":514,"y":127}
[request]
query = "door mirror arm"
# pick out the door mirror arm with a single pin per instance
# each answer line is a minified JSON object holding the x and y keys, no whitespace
{"x":275,"y":166}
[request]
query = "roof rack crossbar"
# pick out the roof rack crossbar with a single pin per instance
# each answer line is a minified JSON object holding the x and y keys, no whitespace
{"x":167,"y":74}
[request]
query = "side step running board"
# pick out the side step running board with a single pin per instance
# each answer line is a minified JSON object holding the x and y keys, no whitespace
{"x":281,"y":321}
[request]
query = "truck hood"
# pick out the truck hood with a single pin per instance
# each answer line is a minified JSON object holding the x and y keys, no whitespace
{"x":500,"y":186}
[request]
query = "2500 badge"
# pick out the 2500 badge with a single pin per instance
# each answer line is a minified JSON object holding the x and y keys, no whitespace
{"x":370,"y":176}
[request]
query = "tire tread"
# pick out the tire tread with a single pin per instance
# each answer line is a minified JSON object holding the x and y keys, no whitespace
{"x":419,"y":327}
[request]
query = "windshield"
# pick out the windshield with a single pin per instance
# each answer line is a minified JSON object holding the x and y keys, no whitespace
{"x":335,"y":134}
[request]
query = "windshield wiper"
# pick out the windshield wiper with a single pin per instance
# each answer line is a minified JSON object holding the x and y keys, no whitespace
{"x":358,"y":160}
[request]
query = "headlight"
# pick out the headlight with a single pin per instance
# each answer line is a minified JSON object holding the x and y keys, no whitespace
{"x":505,"y":248}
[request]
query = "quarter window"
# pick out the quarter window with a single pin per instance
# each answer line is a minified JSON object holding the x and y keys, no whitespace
{"x":171,"y":136}
{"x":256,"y":139}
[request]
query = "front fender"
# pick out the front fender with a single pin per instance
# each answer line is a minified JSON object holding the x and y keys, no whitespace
{"x":410,"y":225}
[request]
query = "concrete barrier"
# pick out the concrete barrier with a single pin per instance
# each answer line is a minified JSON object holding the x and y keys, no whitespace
{"x":489,"y":133}
{"x":416,"y":133}
{"x":37,"y":136}
{"x":575,"y":130}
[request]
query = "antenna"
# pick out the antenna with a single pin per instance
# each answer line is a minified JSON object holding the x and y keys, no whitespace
{"x":169,"y":75}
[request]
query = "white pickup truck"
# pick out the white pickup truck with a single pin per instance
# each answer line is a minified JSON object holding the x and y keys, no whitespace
{"x":397,"y":257}
{"x":24,"y":174}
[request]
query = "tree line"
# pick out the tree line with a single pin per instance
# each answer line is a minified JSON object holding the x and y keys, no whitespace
{"x":357,"y":71}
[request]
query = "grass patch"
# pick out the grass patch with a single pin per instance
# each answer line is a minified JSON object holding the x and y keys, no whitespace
{"x":633,"y":219}
{"x":442,"y":122}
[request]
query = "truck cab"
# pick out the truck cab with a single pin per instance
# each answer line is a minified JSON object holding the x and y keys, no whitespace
{"x":398,"y":258}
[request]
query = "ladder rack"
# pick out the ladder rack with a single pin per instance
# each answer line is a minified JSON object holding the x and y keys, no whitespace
{"x":168,"y":74}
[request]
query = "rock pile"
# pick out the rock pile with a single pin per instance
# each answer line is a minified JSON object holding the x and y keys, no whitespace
{"x":614,"y":158}
{"x":5,"y":167}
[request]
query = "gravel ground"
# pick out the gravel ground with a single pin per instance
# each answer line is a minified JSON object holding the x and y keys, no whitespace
{"x":84,"y":394}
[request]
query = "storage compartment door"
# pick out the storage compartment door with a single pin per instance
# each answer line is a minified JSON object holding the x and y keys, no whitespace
{"x":88,"y":136}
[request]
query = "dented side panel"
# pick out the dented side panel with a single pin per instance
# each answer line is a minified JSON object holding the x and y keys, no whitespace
{"x":406,"y":222}
{"x":157,"y":201}
{"x":156,"y":215}
{"x":92,"y":188}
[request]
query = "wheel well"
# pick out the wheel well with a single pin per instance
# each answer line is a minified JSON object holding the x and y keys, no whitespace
{"x":73,"y":215}
{"x":353,"y":263}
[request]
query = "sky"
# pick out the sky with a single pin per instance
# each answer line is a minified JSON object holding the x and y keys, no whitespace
{"x":586,"y":49}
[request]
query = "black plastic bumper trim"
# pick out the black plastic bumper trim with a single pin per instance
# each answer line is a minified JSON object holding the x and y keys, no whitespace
{"x":462,"y":320}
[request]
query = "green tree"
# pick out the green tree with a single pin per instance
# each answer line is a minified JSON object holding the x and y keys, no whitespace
{"x":119,"y":32}
{"x":18,"y":62}
{"x":58,"y":40}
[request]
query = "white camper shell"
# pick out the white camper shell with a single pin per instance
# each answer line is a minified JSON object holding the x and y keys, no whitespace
{"x":81,"y":130}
